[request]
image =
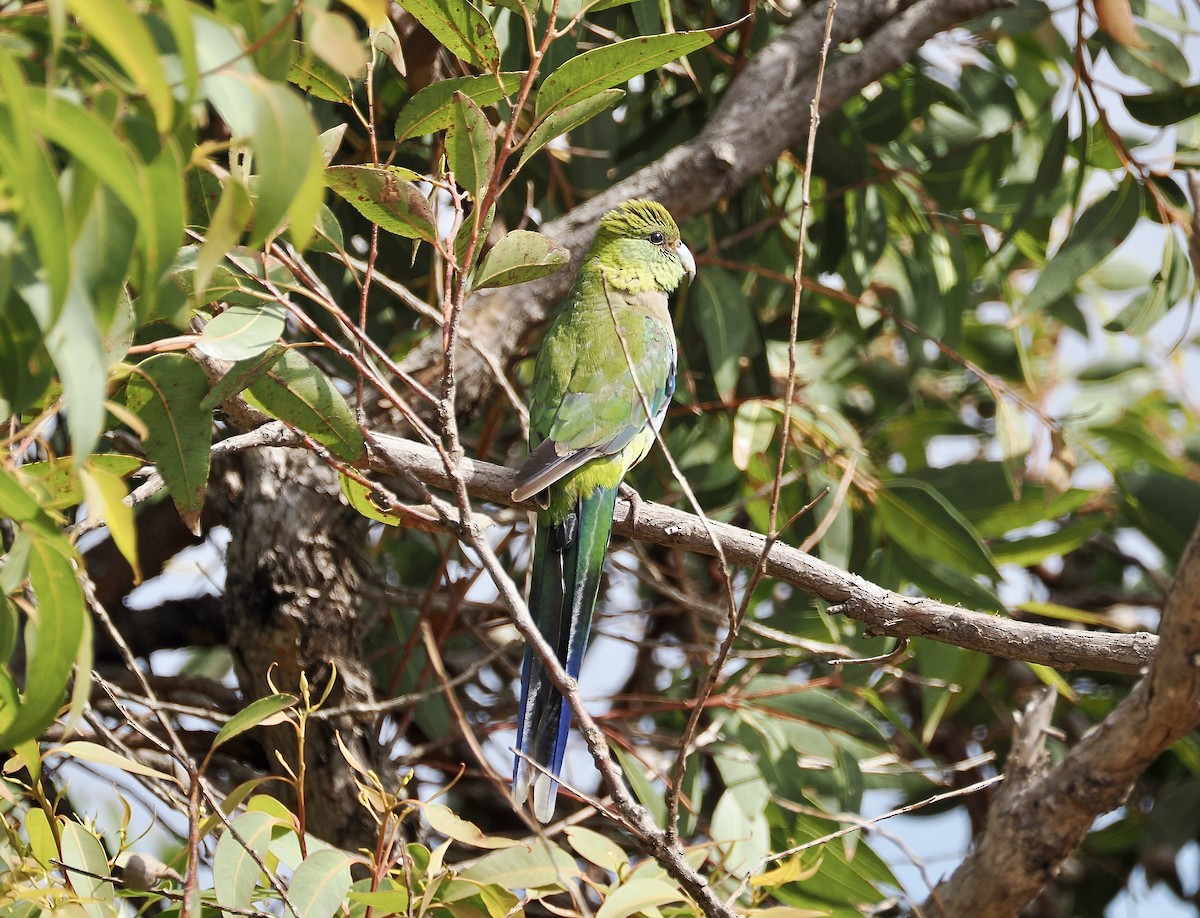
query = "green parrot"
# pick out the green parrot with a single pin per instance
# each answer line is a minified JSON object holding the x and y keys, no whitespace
{"x":591,"y":419}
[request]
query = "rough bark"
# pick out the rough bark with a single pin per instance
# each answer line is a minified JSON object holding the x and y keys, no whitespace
{"x":292,"y":606}
{"x":1040,"y":820}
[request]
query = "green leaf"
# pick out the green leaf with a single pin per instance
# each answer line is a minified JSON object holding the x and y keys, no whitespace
{"x":315,"y":77}
{"x":61,"y":481}
{"x":1167,"y":288}
{"x":611,"y":65}
{"x":91,"y":140}
{"x":520,"y":256}
{"x":16,"y":501}
{"x":540,"y":865}
{"x":164,"y":211}
{"x":954,"y":673}
{"x":224,"y":230}
{"x":334,"y":39}
{"x":287,"y":161}
{"x":1048,"y":174}
{"x":446,"y":822}
{"x":384,"y":901}
{"x":728,"y":326}
{"x":255,"y":714}
{"x":921,"y":520}
{"x":80,"y":848}
{"x":241,"y":375}
{"x":125,"y":35}
{"x":566,"y":119}
{"x":597,"y":849}
{"x":384,"y":196}
{"x":235,"y":872}
{"x":75,"y":346}
{"x":102,"y":755}
{"x":320,"y":883}
{"x":165,"y":392}
{"x":639,"y":895}
{"x":462,"y":28}
{"x":1165,"y":108}
{"x":432,"y":108}
{"x":42,"y":207}
{"x":1031,"y":550}
{"x":243,"y":331}
{"x":51,"y":640}
{"x":1100,"y":229}
{"x":470,"y":146}
{"x":815,"y":705}
{"x":739,"y":821}
{"x":297,"y":392}
{"x":106,"y":493}
{"x":641,"y":782}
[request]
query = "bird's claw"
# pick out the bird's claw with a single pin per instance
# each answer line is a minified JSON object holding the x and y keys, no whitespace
{"x":635,"y":502}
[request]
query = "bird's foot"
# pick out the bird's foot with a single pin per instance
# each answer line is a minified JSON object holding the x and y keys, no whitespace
{"x":635,"y":502}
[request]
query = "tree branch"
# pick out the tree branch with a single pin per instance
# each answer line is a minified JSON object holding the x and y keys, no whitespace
{"x":1039,"y":820}
{"x":882,"y":611}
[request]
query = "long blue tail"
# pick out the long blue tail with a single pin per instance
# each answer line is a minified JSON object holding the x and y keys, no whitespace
{"x":568,"y":562}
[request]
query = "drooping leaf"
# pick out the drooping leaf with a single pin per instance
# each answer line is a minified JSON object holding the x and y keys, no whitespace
{"x":385,"y":196}
{"x":165,"y":392}
{"x":51,"y":641}
{"x":80,"y":848}
{"x":470,"y":146}
{"x":566,"y":119}
{"x":106,"y":493}
{"x":519,"y":257}
{"x":929,"y":527}
{"x":125,"y":35}
{"x":296,"y":391}
{"x":1100,"y":229}
{"x":461,"y":27}
{"x":603,"y":68}
{"x":729,"y":329}
{"x":432,"y":108}
{"x":1048,"y":173}
{"x":235,"y":872}
{"x":642,"y":784}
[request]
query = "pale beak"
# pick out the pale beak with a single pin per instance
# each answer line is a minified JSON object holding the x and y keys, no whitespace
{"x":687,"y":260}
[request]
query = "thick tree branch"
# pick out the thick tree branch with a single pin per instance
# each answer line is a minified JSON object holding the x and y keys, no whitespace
{"x":882,"y":611}
{"x":764,"y":112}
{"x":1039,"y":821}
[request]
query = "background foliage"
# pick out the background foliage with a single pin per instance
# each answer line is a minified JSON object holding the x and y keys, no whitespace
{"x":215,"y":214}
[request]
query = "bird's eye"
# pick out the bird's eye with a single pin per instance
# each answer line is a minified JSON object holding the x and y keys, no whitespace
{"x":658,"y":237}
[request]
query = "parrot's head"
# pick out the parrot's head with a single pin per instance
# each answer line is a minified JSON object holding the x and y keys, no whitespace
{"x":639,"y":242}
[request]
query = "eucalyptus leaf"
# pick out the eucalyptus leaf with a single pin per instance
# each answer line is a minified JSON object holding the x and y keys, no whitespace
{"x":297,"y":392}
{"x":520,"y":256}
{"x":602,"y":68}
{"x":432,"y":108}
{"x":385,"y":196}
